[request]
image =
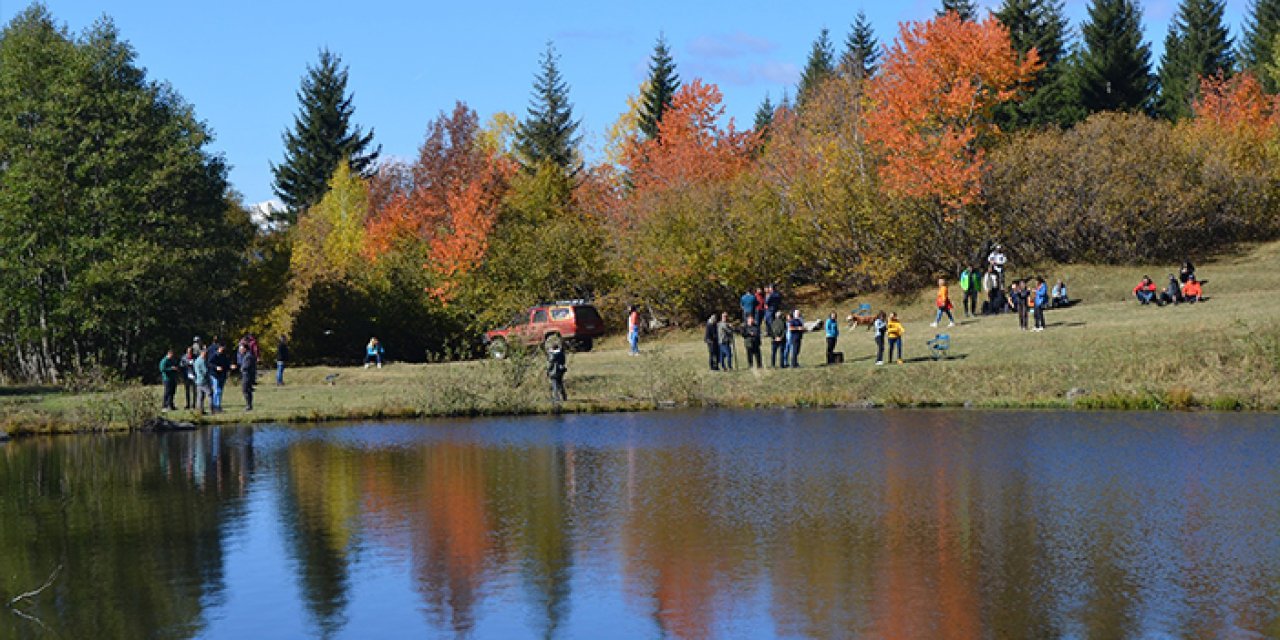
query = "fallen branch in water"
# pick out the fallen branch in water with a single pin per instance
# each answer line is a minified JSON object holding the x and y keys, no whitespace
{"x":31,"y":594}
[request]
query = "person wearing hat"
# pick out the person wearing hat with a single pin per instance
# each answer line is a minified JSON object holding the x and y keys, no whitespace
{"x":997,"y":261}
{"x":556,"y":368}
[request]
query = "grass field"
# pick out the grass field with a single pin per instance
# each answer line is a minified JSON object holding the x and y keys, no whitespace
{"x":1105,"y":352}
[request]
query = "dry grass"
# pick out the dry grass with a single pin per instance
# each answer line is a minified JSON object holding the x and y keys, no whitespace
{"x":1105,"y":352}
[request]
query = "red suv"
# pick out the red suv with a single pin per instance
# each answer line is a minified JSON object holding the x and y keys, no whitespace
{"x":573,"y":323}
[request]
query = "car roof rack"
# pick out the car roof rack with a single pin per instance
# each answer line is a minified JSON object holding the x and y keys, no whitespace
{"x":566,"y":303}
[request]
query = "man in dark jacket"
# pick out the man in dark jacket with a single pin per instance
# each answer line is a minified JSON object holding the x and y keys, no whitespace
{"x":777,"y":329}
{"x":169,"y":376}
{"x":556,"y":368}
{"x":751,"y":338}
{"x":219,"y":369}
{"x":248,"y":364}
{"x":772,"y":303}
{"x":712,"y":337}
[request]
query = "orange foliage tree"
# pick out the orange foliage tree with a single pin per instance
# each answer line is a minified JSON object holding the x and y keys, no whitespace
{"x":450,"y":198}
{"x":691,"y":148}
{"x":1236,"y":105}
{"x":933,"y":103}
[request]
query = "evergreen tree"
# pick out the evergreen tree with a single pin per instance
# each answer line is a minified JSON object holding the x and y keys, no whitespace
{"x":322,"y":137}
{"x":658,"y":91}
{"x":1042,"y":25}
{"x":1114,"y":70}
{"x":1257,"y":48}
{"x":820,"y":66}
{"x":547,"y":133}
{"x":764,"y":115}
{"x":861,"y":50}
{"x":1198,"y":45}
{"x":966,"y":9}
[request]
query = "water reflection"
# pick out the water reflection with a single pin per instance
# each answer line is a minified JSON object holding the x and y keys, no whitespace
{"x":698,"y":525}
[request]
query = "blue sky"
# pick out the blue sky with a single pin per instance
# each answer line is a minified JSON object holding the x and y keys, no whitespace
{"x":239,"y":62}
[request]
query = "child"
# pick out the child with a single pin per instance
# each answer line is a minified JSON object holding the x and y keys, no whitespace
{"x":879,"y":325}
{"x":893,"y":329}
{"x":944,"y":305}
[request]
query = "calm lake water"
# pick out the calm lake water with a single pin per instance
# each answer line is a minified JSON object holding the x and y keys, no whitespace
{"x":678,"y":525}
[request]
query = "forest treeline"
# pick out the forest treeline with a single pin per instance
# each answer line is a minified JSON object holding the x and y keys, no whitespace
{"x":120,"y":235}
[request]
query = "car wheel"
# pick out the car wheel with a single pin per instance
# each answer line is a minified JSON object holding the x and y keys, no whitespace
{"x":498,"y":348}
{"x":552,"y":341}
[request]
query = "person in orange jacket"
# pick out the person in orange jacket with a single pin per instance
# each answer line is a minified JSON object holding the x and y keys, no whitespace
{"x":943,"y":303}
{"x":1145,"y":291}
{"x":1191,"y":291}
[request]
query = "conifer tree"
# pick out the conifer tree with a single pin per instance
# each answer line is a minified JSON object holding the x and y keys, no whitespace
{"x":861,"y":50}
{"x":967,"y":10}
{"x":1114,"y":70}
{"x":547,"y":133}
{"x":662,"y":85}
{"x":1198,"y":45}
{"x":1042,"y":25}
{"x":322,"y":137}
{"x":764,"y":115}
{"x":819,"y":67}
{"x":1257,"y":48}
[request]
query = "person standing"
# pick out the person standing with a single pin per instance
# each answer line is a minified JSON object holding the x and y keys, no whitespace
{"x":894,"y":331}
{"x":556,"y":368}
{"x":186,"y":371}
{"x":724,"y":333}
{"x":772,"y":302}
{"x":1018,"y":300}
{"x":996,"y":260}
{"x":995,"y":297}
{"x":1042,"y":301}
{"x":795,"y":334}
{"x":282,"y":356}
{"x":169,"y":378}
{"x":204,"y":381}
{"x":748,"y":304}
{"x":943,"y":302}
{"x":970,"y":285}
{"x":711,"y":335}
{"x":879,"y":325}
{"x":751,"y":340}
{"x":778,"y":338}
{"x":832,"y":327}
{"x":373,"y":353}
{"x":759,"y":306}
{"x":248,"y":364}
{"x":633,"y":330}
{"x":219,"y":369}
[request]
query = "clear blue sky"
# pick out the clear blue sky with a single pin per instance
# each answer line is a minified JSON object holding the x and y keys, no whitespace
{"x":239,"y":63}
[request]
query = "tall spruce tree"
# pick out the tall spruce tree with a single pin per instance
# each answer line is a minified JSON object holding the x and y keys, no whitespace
{"x":1198,"y":45}
{"x":547,"y":133}
{"x":661,"y":87}
{"x":820,"y":66}
{"x":861,"y":50}
{"x":1114,"y":69}
{"x":967,"y":10}
{"x":1257,"y":48}
{"x":764,"y":115}
{"x":1042,"y":25}
{"x":322,"y":136}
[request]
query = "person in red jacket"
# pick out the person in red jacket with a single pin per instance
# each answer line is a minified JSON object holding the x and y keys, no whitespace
{"x":1191,"y":291}
{"x":1145,"y":291}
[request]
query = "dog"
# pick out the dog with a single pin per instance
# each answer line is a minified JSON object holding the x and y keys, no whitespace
{"x":856,"y":321}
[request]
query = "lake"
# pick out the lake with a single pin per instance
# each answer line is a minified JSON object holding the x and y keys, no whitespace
{"x":703,"y":524}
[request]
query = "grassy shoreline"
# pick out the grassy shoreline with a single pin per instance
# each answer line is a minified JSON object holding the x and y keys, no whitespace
{"x":1106,"y":352}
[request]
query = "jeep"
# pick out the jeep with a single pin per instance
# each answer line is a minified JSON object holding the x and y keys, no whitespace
{"x":574,"y":324}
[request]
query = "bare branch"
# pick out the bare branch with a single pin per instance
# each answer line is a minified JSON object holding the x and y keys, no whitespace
{"x":31,"y":594}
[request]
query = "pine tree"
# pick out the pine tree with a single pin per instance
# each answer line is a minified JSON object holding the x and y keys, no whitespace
{"x":966,"y":8}
{"x":322,"y":137}
{"x":764,"y":115}
{"x":662,"y":85}
{"x":820,"y":66}
{"x":1257,"y":48}
{"x":547,"y":133}
{"x":1114,"y":70}
{"x":861,"y":50}
{"x":1198,"y":45}
{"x":1042,"y":25}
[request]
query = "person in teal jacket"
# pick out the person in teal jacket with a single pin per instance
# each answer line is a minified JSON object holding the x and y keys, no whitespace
{"x":833,"y":333}
{"x":169,"y":376}
{"x":373,"y":353}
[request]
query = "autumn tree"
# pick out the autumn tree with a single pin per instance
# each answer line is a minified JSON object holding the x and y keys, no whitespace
{"x":1114,"y":70}
{"x":1235,"y":118}
{"x":322,"y":136}
{"x":658,"y":91}
{"x":1198,"y":46}
{"x":861,"y":50}
{"x":549,"y":132}
{"x":820,"y":66}
{"x":933,"y":104}
{"x":1258,"y":46}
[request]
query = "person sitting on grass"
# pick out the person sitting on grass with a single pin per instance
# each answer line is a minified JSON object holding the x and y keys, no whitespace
{"x":1059,"y":295}
{"x":1191,"y":291}
{"x":373,"y":353}
{"x":894,"y":331}
{"x":1173,"y":293}
{"x":1145,"y":292}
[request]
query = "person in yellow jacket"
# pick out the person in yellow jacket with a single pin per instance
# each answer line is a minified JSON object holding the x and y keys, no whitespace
{"x":894,"y":332}
{"x":943,"y":302}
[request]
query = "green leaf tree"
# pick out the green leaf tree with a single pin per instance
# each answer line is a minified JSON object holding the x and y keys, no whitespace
{"x":861,"y":50}
{"x":1114,"y":69}
{"x":322,"y":136}
{"x":662,"y":85}
{"x":549,"y":132}
{"x":820,"y":66}
{"x":1261,"y":31}
{"x":1198,"y":45}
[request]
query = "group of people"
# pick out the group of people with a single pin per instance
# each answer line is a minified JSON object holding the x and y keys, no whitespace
{"x":1183,"y":287}
{"x":762,"y":319}
{"x":203,"y":371}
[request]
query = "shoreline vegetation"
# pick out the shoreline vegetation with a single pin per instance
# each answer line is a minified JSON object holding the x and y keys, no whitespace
{"x":1104,"y":352}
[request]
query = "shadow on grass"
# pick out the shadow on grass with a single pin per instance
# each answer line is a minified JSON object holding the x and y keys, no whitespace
{"x":26,"y":390}
{"x":1077,"y":323}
